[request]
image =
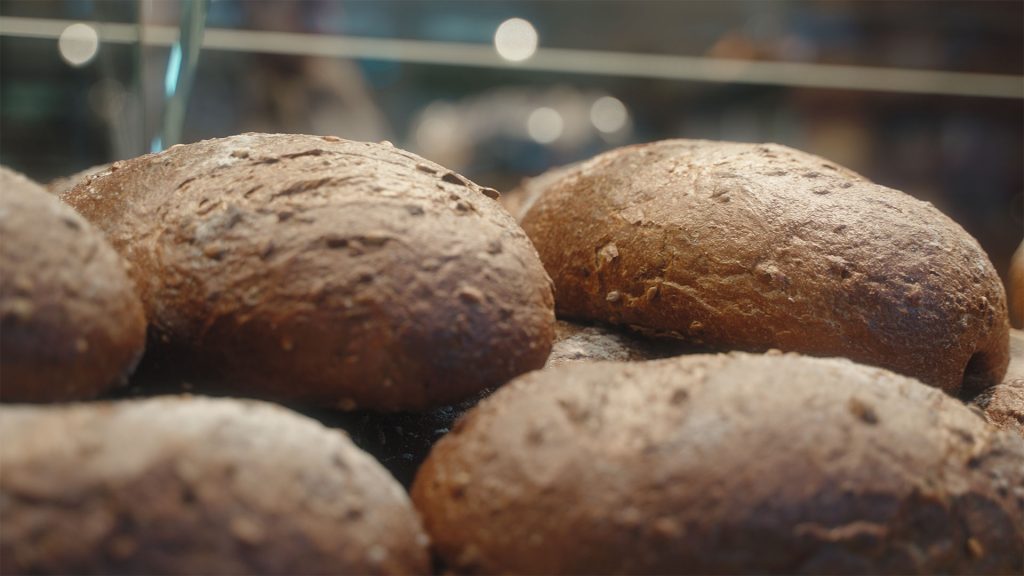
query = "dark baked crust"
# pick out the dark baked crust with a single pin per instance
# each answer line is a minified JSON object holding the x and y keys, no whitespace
{"x":753,"y":247}
{"x":724,"y":464}
{"x":179,"y":485}
{"x":71,"y":325}
{"x":315,"y":269}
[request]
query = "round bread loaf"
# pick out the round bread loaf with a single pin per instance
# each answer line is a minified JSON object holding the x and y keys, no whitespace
{"x":178,"y":485}
{"x":733,"y":464}
{"x":753,"y":247}
{"x":314,"y":269}
{"x":71,"y":325}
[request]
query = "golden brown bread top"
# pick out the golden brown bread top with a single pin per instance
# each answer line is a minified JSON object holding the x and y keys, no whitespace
{"x":734,"y":463}
{"x":321,"y":270}
{"x":71,"y":325}
{"x":183,"y":485}
{"x":744,"y":246}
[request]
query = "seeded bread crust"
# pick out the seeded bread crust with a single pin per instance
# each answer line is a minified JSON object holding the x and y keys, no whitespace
{"x":753,"y":247}
{"x":71,"y":326}
{"x":318,"y":270}
{"x":734,"y":463}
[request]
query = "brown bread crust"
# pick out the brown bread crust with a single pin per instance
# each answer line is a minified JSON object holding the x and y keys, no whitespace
{"x":752,"y":247}
{"x":178,"y":485}
{"x":319,"y":270}
{"x":735,"y":463}
{"x":71,"y":326}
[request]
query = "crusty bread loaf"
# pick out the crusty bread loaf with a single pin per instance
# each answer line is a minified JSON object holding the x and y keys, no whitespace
{"x":736,"y":463}
{"x":71,"y":325}
{"x":753,"y":247}
{"x":315,"y":269}
{"x":178,"y":485}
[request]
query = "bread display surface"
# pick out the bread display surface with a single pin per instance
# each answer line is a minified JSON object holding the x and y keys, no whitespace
{"x":753,"y":247}
{"x":733,"y":463}
{"x":71,"y":326}
{"x":179,"y":485}
{"x":319,"y":270}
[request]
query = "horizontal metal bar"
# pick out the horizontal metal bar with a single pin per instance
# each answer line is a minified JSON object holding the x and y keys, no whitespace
{"x":560,"y":60}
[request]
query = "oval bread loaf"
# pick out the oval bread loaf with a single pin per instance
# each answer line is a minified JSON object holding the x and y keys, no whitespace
{"x":738,"y":463}
{"x":753,"y":247}
{"x":178,"y":485}
{"x":71,"y":326}
{"x":320,"y":270}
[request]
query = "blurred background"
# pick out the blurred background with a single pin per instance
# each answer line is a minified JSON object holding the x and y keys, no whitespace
{"x":923,"y":96}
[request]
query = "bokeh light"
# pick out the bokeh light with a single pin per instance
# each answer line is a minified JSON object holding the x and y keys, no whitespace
{"x":545,"y":125}
{"x":609,"y":114}
{"x":515,"y":40}
{"x":78,"y":44}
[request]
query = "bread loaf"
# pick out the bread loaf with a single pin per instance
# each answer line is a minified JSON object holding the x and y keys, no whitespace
{"x":753,"y":247}
{"x":178,"y":485}
{"x":71,"y":326}
{"x":731,"y":464}
{"x":318,"y":270}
